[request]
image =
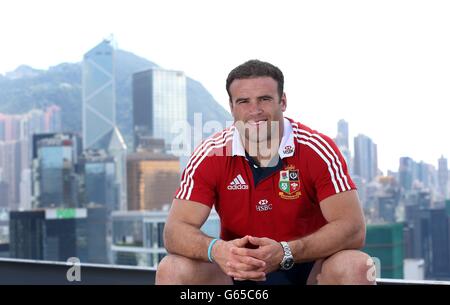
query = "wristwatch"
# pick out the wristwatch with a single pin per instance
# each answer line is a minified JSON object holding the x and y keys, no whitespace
{"x":288,"y":259}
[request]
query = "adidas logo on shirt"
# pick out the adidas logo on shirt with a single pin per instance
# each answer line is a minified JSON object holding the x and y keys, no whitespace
{"x":238,"y":183}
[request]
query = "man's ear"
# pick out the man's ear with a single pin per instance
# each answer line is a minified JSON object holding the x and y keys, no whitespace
{"x":283,"y":102}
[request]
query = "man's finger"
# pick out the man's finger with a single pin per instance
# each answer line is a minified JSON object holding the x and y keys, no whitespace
{"x":240,"y":242}
{"x":256,"y":253}
{"x":234,"y":267}
{"x":262,"y":279}
{"x":250,"y":275}
{"x":237,"y":266}
{"x":258,"y":241}
{"x":248,"y":260}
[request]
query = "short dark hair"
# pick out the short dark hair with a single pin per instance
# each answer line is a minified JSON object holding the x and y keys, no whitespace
{"x":256,"y":68}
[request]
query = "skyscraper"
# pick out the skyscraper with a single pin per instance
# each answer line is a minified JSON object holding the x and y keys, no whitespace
{"x":159,"y":102}
{"x":366,"y":161}
{"x":152,"y":180}
{"x":25,"y":189}
{"x":55,"y":181}
{"x":57,"y":234}
{"x":99,"y":98}
{"x":425,"y":174}
{"x":16,"y":133}
{"x":53,"y":118}
{"x":342,"y":136}
{"x":26,"y":231}
{"x":443,"y":177}
{"x":406,"y":173}
{"x":4,"y":200}
{"x":440,"y":244}
{"x":10,"y":165}
{"x":100,"y":131}
{"x":342,"y":141}
{"x":99,"y":180}
{"x":430,"y":239}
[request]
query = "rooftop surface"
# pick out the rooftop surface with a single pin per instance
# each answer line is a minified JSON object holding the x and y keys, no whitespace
{"x":32,"y":272}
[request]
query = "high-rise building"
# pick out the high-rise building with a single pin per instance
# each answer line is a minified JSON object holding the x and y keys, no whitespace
{"x":409,"y":242}
{"x":342,"y":136}
{"x":26,"y":232}
{"x":4,"y":200}
{"x":16,"y":132}
{"x":366,"y":160}
{"x":98,"y":172}
{"x":343,"y":143}
{"x":387,"y":207}
{"x":118,"y":151}
{"x":429,"y":239}
{"x":11,"y":165}
{"x":52,"y":118}
{"x":152,"y":180}
{"x":55,"y":179}
{"x":440,"y":246}
{"x":138,"y":236}
{"x":25,"y":190}
{"x":361,"y":186}
{"x":443,"y":177}
{"x":385,"y":242}
{"x":100,"y":131}
{"x":387,"y":199}
{"x":425,"y":174}
{"x":99,"y":98}
{"x":406,"y":173}
{"x":58,"y":234}
{"x":159,"y":102}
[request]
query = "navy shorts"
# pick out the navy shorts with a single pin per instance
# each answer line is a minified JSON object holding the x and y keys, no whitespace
{"x":297,"y":275}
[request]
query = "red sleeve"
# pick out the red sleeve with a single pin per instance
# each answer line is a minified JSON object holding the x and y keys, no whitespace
{"x":327,"y":167}
{"x":198,"y":181}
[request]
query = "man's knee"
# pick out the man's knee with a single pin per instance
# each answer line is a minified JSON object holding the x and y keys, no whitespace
{"x":174,"y":269}
{"x":178,"y":270}
{"x":348,"y":267}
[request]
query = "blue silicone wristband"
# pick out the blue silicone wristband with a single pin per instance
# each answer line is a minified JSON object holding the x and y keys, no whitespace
{"x":210,"y":248}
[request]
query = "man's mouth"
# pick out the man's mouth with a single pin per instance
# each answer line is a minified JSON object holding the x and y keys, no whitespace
{"x":257,"y":122}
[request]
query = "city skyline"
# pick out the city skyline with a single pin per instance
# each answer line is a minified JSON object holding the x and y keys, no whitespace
{"x":374,"y":64}
{"x":387,"y":204}
{"x":348,"y":152}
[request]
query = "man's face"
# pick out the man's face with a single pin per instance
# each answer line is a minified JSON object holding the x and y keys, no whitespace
{"x":257,"y":108}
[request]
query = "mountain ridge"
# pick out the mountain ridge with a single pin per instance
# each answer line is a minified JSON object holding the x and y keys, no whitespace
{"x":26,"y":88}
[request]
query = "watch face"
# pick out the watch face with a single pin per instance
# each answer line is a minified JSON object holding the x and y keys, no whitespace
{"x":288,"y":263}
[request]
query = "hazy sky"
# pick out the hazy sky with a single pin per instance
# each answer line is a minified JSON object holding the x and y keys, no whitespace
{"x":384,"y":66}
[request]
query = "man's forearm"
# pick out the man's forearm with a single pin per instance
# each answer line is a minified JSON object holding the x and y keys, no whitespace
{"x":186,"y":240}
{"x":329,"y":239}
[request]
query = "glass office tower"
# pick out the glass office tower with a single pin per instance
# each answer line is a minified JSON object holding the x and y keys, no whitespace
{"x":100,"y":185}
{"x":100,"y":131}
{"x":55,"y":180}
{"x":159,"y":102}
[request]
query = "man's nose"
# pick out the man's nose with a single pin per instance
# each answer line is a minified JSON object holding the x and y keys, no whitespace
{"x":255,"y":108}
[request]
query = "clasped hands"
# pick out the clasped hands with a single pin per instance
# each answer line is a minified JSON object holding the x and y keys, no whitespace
{"x":242,"y":263}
